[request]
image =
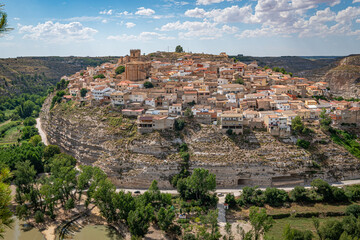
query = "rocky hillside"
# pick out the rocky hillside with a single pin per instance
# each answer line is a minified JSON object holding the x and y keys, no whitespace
{"x":35,"y":74}
{"x":103,"y":137}
{"x":344,"y":79}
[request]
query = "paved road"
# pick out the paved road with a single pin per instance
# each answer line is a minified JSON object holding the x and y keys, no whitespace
{"x":41,"y":132}
{"x":237,"y":192}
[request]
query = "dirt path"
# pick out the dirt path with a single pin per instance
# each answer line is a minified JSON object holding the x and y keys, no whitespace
{"x":41,"y":132}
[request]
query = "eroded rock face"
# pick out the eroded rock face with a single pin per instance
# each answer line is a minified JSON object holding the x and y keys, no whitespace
{"x":96,"y":136}
{"x":345,"y":78}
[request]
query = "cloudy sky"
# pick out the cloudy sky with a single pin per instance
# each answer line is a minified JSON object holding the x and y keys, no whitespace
{"x":249,"y":27}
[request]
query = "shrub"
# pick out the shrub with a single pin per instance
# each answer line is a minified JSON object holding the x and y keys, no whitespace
{"x":28,"y":132}
{"x":229,"y":132}
{"x":230,"y":199}
{"x":101,"y":76}
{"x":353,"y":192}
{"x":275,"y":197}
{"x":339,"y":195}
{"x":303,"y":143}
{"x":29,"y":121}
{"x":148,"y":85}
{"x":39,"y":217}
{"x":353,"y":210}
{"x":323,"y":189}
{"x":299,"y":194}
{"x":179,"y":124}
{"x":295,"y":234}
{"x":251,"y":196}
{"x":120,"y":70}
{"x":189,"y":236}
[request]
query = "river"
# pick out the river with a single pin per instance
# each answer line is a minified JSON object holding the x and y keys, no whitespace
{"x":20,"y":233}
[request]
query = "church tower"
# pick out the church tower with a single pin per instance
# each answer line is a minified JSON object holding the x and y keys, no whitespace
{"x":135,"y":55}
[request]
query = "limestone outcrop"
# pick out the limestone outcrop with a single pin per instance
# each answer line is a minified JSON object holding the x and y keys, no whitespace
{"x":102,"y":137}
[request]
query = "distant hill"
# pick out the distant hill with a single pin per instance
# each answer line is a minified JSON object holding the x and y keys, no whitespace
{"x":35,"y":74}
{"x":299,"y":66}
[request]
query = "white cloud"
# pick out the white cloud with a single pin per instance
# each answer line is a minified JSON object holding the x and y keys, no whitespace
{"x":104,"y":21}
{"x":357,"y":20}
{"x":323,"y":16}
{"x":229,"y":14}
{"x":109,"y":12}
{"x":125,"y":13}
{"x":289,"y":22}
{"x":348,"y":14}
{"x":16,"y":19}
{"x":82,"y":19}
{"x":144,"y":36}
{"x":145,"y":11}
{"x":130,"y":25}
{"x":58,"y":32}
{"x":207,"y":2}
{"x":195,"y":13}
{"x":356,"y":1}
{"x":201,"y":30}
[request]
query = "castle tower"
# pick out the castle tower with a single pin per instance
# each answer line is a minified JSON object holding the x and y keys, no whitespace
{"x":135,"y":55}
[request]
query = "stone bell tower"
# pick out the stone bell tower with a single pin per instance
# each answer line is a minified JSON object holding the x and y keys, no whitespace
{"x":135,"y":55}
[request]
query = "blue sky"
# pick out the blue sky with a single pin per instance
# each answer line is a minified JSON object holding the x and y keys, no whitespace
{"x":249,"y":27}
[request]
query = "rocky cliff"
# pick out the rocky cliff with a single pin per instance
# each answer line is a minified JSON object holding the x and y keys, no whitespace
{"x":344,"y":79}
{"x":103,"y":137}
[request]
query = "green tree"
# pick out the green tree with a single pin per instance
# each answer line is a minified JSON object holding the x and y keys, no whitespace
{"x":261,"y":223}
{"x":25,"y":109}
{"x":83,"y":92}
{"x":39,"y":217}
{"x":295,"y":234}
{"x":29,"y":121}
{"x":35,"y":140}
{"x":331,"y":229}
{"x":25,"y":175}
{"x":139,"y":220}
{"x":3,"y":21}
{"x":230,"y":199}
{"x":179,"y":49}
{"x":275,"y":197}
{"x":325,"y":119}
{"x":353,"y":210}
{"x":103,"y":197}
{"x":299,"y":194}
{"x":50,"y":151}
{"x":165,"y":218}
{"x":323,"y":189}
{"x":148,"y":84}
{"x":297,"y":125}
{"x":303,"y":143}
{"x":120,"y":70}
{"x":179,"y":124}
{"x":200,"y":183}
{"x":101,"y":76}
{"x":239,"y":81}
{"x":5,"y":201}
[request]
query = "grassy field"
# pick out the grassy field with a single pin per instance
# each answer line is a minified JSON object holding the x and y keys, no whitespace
{"x":11,"y":135}
{"x":316,"y":207}
{"x":299,"y":223}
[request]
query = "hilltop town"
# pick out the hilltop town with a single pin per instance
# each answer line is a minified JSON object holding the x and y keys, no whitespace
{"x":215,"y":90}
